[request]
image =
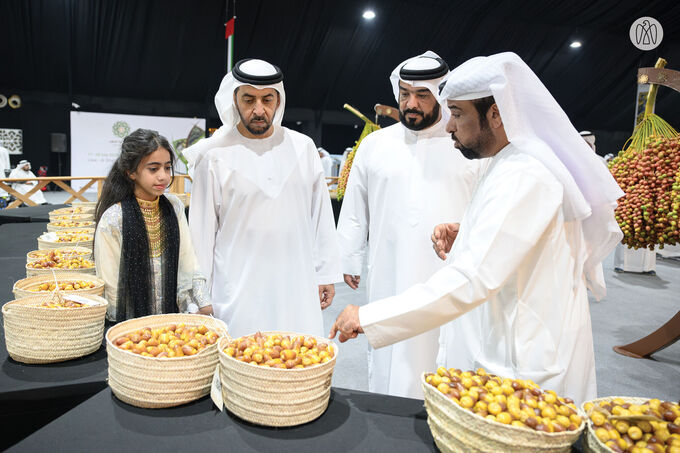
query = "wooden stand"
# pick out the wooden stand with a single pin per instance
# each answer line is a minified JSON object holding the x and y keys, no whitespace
{"x":669,"y":333}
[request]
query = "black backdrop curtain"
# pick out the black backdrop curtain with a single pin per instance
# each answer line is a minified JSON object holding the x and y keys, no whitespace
{"x":167,"y":57}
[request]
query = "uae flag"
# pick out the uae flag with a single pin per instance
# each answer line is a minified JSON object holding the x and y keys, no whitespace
{"x":229,"y":28}
{"x":229,"y":36}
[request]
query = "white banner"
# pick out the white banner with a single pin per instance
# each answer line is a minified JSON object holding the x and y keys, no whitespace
{"x":96,"y":139}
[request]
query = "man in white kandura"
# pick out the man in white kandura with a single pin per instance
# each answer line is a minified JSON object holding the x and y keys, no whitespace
{"x":533,"y":237}
{"x":405,"y":179}
{"x":23,"y":170}
{"x":260,"y":216}
{"x":4,"y":165}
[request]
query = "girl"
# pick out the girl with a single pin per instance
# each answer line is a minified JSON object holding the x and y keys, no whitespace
{"x":142,"y":246}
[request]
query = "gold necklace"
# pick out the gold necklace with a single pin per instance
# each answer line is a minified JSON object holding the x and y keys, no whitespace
{"x":152,"y":218}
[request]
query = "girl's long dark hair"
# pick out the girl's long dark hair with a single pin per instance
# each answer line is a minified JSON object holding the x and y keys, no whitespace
{"x":118,"y":185}
{"x":136,"y":295}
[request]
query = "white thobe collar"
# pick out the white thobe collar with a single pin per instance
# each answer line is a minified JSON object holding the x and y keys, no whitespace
{"x":412,"y":137}
{"x":498,"y":157}
{"x":261,"y":144}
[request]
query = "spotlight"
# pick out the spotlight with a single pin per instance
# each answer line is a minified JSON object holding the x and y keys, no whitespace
{"x":575,"y":44}
{"x":368,"y":14}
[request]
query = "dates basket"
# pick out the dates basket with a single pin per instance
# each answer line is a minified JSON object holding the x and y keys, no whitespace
{"x":35,"y":334}
{"x":44,"y":244}
{"x":276,"y":397}
{"x":36,"y":255}
{"x":456,"y":429}
{"x":84,"y":204}
{"x":59,"y":272}
{"x":74,"y":217}
{"x":591,"y":443}
{"x":81,"y":224}
{"x":151,"y":382}
{"x":22,"y":288}
{"x":78,"y":210}
{"x":87,"y":212}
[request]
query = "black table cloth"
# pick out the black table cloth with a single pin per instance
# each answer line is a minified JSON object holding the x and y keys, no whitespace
{"x":28,"y":214}
{"x":354,"y":421}
{"x":17,"y":239}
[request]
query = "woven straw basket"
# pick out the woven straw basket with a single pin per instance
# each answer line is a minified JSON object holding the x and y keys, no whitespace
{"x":155,"y":383}
{"x":272,"y":396}
{"x":66,"y":211}
{"x":46,"y":245}
{"x":35,"y":334}
{"x":59,"y":272}
{"x":84,"y":204}
{"x":84,"y":224}
{"x":591,"y":442}
{"x":22,"y":287}
{"x":458,"y":430}
{"x":77,"y":217}
{"x":36,"y":255}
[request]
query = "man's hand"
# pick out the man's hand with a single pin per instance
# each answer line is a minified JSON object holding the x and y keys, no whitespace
{"x":347,"y":324}
{"x":443,"y":237}
{"x":326,"y":294}
{"x":207,"y":310}
{"x":352,"y":280}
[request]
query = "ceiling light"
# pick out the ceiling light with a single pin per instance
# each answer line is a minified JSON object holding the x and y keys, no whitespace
{"x":368,"y":14}
{"x":575,"y":44}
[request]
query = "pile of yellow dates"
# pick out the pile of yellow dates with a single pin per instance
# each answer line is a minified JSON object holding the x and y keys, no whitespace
{"x":515,"y":402}
{"x":280,"y":351}
{"x":73,"y":223}
{"x":70,"y":217}
{"x":637,"y":436}
{"x":74,"y":236}
{"x":65,"y":253}
{"x":67,"y":211}
{"x":63,"y":286}
{"x":172,"y":341}
{"x":61,"y":260}
{"x":64,"y":303}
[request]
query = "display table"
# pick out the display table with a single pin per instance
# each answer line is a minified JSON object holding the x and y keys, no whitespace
{"x":28,"y":214}
{"x":354,"y":421}
{"x":33,"y":395}
{"x":17,"y":239}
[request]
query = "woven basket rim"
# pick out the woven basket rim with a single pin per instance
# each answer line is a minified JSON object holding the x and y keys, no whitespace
{"x":282,"y":370}
{"x":109,"y":341}
{"x":28,"y":303}
{"x":69,"y":230}
{"x":496,"y":424}
{"x":48,"y":277}
{"x":89,"y":221}
{"x":67,"y":248}
{"x":60,"y":268}
{"x":66,"y":210}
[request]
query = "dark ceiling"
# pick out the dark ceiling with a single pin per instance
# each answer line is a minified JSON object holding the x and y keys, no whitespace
{"x":136,"y":55}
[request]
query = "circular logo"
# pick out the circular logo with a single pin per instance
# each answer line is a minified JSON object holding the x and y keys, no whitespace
{"x":121,"y":129}
{"x":646,"y":33}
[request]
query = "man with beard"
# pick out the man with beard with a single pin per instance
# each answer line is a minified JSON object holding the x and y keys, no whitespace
{"x":406,"y":178}
{"x":532,"y":239}
{"x":260,"y":216}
